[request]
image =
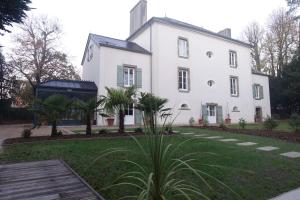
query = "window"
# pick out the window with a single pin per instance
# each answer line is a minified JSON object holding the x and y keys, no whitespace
{"x":257,"y":91}
{"x":183,"y":48}
{"x":235,"y":109}
{"x":90,"y":52}
{"x":234,"y":86}
{"x":183,"y":79}
{"x":232,"y":59}
{"x":129,"y":76}
{"x":184,"y":106}
{"x":210,"y":83}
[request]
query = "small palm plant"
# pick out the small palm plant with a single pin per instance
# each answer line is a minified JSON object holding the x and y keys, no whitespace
{"x":90,"y":107}
{"x":53,"y":109}
{"x":117,"y":101}
{"x":161,"y":175}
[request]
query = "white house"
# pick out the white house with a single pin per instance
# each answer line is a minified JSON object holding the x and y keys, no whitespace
{"x":203,"y":74}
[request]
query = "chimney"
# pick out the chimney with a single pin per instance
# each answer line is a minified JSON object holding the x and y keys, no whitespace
{"x":226,"y":32}
{"x":138,"y":16}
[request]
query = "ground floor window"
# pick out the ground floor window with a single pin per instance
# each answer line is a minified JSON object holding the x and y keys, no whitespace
{"x":183,"y":79}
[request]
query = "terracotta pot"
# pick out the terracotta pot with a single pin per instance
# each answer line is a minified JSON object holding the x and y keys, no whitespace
{"x":200,"y":121}
{"x":110,"y":121}
{"x":227,"y":121}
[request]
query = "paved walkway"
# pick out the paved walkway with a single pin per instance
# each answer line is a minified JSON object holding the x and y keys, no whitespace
{"x":292,"y":195}
{"x":43,"y":180}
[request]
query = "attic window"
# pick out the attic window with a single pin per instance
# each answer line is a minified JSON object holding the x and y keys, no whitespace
{"x":184,"y":106}
{"x":90,"y":52}
{"x":209,"y":54}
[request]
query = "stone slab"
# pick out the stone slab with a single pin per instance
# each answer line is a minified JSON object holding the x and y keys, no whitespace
{"x":229,"y":140}
{"x":187,"y":133}
{"x":246,"y":143}
{"x":292,"y":154}
{"x":291,"y":195}
{"x":214,"y":137}
{"x":267,"y":148}
{"x":201,"y":135}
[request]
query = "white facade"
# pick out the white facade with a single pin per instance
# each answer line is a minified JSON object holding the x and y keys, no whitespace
{"x":207,"y":63}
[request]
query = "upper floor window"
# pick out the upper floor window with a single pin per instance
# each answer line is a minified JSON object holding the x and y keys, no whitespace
{"x":183,"y":48}
{"x":234,"y":86}
{"x":183,"y":79}
{"x":257,"y":91}
{"x":129,"y":76}
{"x":232,"y":59}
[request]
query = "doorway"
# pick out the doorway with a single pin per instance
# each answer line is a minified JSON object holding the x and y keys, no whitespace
{"x":258,"y":114}
{"x":129,"y":115}
{"x":211,"y":114}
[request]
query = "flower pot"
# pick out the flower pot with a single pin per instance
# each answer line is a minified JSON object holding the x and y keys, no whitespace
{"x":227,"y":121}
{"x":110,"y":121}
{"x":200,"y":121}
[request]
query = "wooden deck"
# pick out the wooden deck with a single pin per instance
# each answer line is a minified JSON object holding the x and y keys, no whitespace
{"x":43,"y":180}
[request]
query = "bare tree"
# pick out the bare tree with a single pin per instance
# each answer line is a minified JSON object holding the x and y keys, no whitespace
{"x":254,"y":35}
{"x":36,"y":56}
{"x":281,"y":41}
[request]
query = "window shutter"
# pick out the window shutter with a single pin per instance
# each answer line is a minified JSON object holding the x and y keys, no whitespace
{"x":120,"y":76}
{"x":137,"y":117}
{"x":219,"y":114}
{"x":204,"y":112}
{"x":253,"y":91}
{"x":261,"y":92}
{"x":138,"y":78}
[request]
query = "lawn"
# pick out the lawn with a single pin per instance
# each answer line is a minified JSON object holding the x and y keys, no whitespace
{"x":282,"y":126}
{"x":249,"y":172}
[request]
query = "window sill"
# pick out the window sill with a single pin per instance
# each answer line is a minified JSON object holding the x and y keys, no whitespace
{"x":232,"y":66}
{"x":234,"y":95}
{"x":184,"y":91}
{"x":184,"y":109}
{"x":235,"y":111}
{"x":185,"y":57}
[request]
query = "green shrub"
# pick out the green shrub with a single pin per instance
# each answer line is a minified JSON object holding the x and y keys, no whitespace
{"x":294,"y":122}
{"x":26,"y":133}
{"x":103,"y":131}
{"x":270,"y":123}
{"x":138,"y":130}
{"x":205,"y":122}
{"x":242,"y":123}
{"x":59,"y":133}
{"x":192,"y":121}
{"x":169,"y":128}
{"x":222,"y":125}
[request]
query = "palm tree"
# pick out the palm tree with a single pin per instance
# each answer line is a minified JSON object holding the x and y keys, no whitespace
{"x":118,"y":100}
{"x":89,"y":108}
{"x":53,"y":109}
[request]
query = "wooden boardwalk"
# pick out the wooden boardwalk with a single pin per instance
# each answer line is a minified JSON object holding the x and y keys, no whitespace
{"x":43,"y":180}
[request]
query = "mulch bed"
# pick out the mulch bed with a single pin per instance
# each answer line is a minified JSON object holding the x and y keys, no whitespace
{"x":290,"y":137}
{"x":109,"y":135}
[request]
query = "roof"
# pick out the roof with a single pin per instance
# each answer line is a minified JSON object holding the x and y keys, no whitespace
{"x":254,"y":71}
{"x":174,"y":22}
{"x":115,"y":43}
{"x":69,"y":84}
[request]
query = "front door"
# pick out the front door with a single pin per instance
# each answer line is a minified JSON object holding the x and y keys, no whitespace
{"x":258,"y":114}
{"x":129,"y":116}
{"x":211,"y":114}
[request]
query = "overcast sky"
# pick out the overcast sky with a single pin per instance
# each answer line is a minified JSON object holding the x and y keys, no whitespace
{"x":111,"y":17}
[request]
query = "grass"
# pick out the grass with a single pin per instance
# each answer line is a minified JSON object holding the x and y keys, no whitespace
{"x":251,"y":173}
{"x":282,"y":126}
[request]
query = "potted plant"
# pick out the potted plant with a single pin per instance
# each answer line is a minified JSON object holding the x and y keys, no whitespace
{"x":228,"y":120}
{"x":110,"y":120}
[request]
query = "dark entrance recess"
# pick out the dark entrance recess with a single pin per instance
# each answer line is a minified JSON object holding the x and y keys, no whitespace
{"x":258,"y":114}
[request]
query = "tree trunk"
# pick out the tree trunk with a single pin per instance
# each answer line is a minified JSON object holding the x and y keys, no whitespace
{"x":54,"y":128}
{"x":121,"y":121}
{"x":88,"y":125}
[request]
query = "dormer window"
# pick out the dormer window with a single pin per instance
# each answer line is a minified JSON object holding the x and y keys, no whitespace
{"x":183,"y":48}
{"x":232,"y":59}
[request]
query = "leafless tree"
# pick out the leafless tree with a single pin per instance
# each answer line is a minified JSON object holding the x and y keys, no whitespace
{"x":281,"y":40}
{"x":36,"y":55}
{"x":254,"y":35}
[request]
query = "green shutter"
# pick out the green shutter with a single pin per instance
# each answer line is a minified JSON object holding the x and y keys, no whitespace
{"x":138,"y":78}
{"x":261,"y":92}
{"x":219,"y":114}
{"x":120,"y":76}
{"x":204,"y":112}
{"x":253,"y":90}
{"x":137,"y":117}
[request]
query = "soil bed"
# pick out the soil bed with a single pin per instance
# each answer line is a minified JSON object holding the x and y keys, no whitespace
{"x":127,"y":134}
{"x":290,"y":137}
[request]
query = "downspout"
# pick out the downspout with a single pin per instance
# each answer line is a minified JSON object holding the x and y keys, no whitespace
{"x":151,"y":67}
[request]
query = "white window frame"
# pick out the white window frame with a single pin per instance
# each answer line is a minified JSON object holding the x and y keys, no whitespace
{"x":257,"y":91}
{"x":127,"y":79}
{"x":234,"y":86}
{"x":183,"y":53}
{"x":232,"y":58}
{"x":183,"y":79}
